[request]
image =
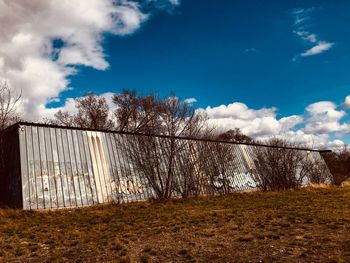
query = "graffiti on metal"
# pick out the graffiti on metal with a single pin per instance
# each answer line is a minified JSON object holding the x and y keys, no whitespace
{"x":68,"y":168}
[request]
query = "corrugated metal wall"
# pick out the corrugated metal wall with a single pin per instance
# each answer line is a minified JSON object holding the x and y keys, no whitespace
{"x":69,"y":168}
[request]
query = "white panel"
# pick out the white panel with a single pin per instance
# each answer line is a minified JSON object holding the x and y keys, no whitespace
{"x":24,"y":169}
{"x":100,"y":167}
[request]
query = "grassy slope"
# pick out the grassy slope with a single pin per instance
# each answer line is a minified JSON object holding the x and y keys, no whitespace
{"x":306,"y":225}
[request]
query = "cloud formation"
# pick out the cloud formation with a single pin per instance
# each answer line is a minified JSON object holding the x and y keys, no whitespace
{"x":252,"y":122}
{"x":320,"y":126}
{"x":325,"y":118}
{"x":319,"y":46}
{"x":346,"y":104}
{"x":315,"y":128}
{"x":190,"y":100}
{"x":43,"y":41}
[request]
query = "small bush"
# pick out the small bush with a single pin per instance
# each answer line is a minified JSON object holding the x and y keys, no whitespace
{"x":315,"y":169}
{"x":276,"y":168}
{"x":339,"y":165}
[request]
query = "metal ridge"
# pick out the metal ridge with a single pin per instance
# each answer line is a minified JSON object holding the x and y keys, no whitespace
{"x":25,"y":123}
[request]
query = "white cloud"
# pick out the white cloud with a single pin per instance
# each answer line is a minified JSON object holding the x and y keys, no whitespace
{"x":346,"y":104}
{"x":313,"y":129}
{"x":30,"y":61}
{"x":321,"y":47}
{"x":325,"y":118}
{"x":261,"y":122}
{"x":238,"y":110}
{"x":190,"y":100}
{"x":301,"y":139}
{"x":290,"y":122}
{"x":307,"y":36}
{"x":301,"y":15}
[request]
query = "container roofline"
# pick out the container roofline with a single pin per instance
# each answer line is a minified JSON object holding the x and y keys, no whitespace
{"x":25,"y":123}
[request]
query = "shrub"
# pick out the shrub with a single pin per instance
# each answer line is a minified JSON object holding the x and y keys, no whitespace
{"x":277,"y":167}
{"x":314,"y":168}
{"x":339,"y":165}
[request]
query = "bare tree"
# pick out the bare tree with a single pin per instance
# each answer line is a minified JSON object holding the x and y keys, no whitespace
{"x":277,"y":167}
{"x":190,"y":177}
{"x":9,"y":102}
{"x":218,"y":164}
{"x":92,"y":113}
{"x":314,"y":168}
{"x":234,"y":135}
{"x":159,"y":159}
{"x":138,"y":114}
{"x":62,"y":118}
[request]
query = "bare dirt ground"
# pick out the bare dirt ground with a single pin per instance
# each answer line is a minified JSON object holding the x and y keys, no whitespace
{"x":308,"y":225}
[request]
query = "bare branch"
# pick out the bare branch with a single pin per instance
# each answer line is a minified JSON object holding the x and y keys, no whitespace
{"x":93,"y":113}
{"x":9,"y":101}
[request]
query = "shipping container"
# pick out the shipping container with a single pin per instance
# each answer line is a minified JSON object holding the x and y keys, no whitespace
{"x":47,"y":166}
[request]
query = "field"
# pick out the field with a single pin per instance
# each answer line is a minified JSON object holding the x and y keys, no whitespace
{"x":308,"y":225}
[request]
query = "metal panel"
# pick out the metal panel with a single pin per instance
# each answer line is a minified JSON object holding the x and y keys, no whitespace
{"x":83,"y":170}
{"x":24,"y":168}
{"x":31,"y":168}
{"x":59,"y":168}
{"x":89,"y":176}
{"x":72,"y":167}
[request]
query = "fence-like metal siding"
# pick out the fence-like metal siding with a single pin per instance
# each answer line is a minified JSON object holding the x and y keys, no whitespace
{"x":73,"y":168}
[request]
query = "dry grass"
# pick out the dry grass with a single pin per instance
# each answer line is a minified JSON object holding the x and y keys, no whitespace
{"x":308,"y":225}
{"x":346,"y":183}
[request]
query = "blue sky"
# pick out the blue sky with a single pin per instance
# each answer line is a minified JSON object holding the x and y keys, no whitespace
{"x":232,"y":51}
{"x":268,"y":67}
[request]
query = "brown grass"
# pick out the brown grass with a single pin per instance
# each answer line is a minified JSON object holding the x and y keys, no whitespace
{"x":308,"y":225}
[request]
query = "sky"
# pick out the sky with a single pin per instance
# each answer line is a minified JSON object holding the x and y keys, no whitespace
{"x":270,"y":68}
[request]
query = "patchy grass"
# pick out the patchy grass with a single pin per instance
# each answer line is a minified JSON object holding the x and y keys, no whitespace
{"x":307,"y":225}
